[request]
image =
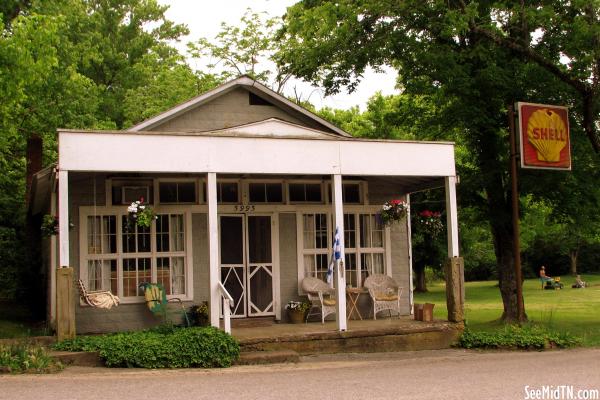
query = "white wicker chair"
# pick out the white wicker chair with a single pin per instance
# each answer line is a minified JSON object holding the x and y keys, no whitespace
{"x":320,"y":297}
{"x":385,"y":293}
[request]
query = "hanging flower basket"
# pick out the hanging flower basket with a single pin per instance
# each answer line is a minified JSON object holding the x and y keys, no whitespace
{"x":141,"y":214}
{"x":49,"y":225}
{"x":393,"y":211}
{"x":430,"y":223}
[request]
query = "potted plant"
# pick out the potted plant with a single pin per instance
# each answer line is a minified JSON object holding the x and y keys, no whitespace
{"x":141,"y":214}
{"x":392,"y":211}
{"x":199,"y":314}
{"x":297,"y":311}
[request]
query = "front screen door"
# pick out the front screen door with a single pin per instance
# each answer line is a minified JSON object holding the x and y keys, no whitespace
{"x":247,"y":263}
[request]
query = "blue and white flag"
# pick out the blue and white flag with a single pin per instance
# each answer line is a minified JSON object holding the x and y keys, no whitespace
{"x":337,"y":254}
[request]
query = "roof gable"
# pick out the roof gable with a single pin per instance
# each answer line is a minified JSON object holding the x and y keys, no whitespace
{"x":274,"y":127}
{"x":225,"y":107}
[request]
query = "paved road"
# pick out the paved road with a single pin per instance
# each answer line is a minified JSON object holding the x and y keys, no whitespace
{"x":444,"y":374}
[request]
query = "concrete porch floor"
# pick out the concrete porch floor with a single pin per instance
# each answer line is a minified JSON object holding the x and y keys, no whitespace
{"x":387,"y":334}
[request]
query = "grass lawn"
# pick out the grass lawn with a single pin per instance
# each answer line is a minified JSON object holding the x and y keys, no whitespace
{"x":15,"y":322}
{"x":576,"y":311}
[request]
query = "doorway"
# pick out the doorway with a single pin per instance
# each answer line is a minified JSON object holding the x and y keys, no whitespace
{"x":246,"y":263}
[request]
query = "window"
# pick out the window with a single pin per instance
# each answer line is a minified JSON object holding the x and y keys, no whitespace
{"x":177,"y":192}
{"x":305,"y":192}
{"x":102,"y":249}
{"x":121,"y":256}
{"x":364,"y":247}
{"x":315,"y":252}
{"x":351,"y":193}
{"x":227,"y":192}
{"x":265,"y":192}
{"x":126,"y":191}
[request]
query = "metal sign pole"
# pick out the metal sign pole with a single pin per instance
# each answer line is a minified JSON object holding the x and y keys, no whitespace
{"x":515,"y":214}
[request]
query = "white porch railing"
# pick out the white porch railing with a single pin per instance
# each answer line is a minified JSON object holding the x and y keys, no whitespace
{"x":227,"y":303}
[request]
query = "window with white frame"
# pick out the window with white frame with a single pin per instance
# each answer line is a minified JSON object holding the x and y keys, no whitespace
{"x":120,"y":258}
{"x":315,"y":247}
{"x":364,"y":242}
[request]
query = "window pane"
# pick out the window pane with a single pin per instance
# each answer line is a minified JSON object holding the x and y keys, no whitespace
{"x":309,"y":265}
{"x":186,"y":192}
{"x":313,"y":192}
{"x":102,"y":275}
{"x":274,"y":192}
{"x":351,"y":273}
{"x":296,"y":192}
{"x":162,"y":233}
{"x":227,"y":192}
{"x":177,"y":233}
{"x":134,"y":193}
{"x":167,"y":192}
{"x":365,"y":230}
{"x":257,"y":193}
{"x":178,"y":272}
{"x":351,"y":193}
{"x":378,"y":267}
{"x":322,"y":266}
{"x":163,"y":273}
{"x":349,"y":231}
{"x":129,"y":277}
{"x":143,"y":239}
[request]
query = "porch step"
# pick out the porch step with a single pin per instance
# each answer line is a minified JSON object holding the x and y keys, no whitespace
{"x":78,"y":358}
{"x":267,"y":357}
{"x":44,"y":341}
{"x":252,"y":322}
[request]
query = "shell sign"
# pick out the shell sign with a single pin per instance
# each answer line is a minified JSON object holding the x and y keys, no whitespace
{"x":545,"y":141}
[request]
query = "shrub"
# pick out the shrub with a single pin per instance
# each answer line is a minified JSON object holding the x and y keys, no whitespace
{"x":515,"y":337}
{"x":181,"y":348}
{"x":23,"y":357}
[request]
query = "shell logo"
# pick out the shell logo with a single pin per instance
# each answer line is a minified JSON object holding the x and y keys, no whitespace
{"x":544,"y":136}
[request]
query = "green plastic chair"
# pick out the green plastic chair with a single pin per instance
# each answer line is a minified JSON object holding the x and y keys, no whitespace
{"x":157,"y":302}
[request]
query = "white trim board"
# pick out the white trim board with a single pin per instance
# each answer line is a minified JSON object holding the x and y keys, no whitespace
{"x":117,"y":152}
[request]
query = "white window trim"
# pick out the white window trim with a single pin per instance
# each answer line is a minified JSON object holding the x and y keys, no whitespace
{"x":246,"y":190}
{"x":158,"y":181}
{"x":355,"y":210}
{"x":118,"y":212}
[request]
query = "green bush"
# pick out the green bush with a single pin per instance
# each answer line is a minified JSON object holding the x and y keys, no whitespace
{"x":180,"y":348}
{"x":515,"y":337}
{"x":23,"y":357}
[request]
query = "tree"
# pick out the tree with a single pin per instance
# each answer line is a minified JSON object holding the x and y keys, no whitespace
{"x":478,"y":56}
{"x":244,"y":50}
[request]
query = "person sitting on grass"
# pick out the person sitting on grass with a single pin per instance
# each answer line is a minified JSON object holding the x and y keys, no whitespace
{"x":579,"y":284}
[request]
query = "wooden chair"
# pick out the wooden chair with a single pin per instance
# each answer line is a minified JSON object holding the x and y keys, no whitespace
{"x":385,"y":293}
{"x":320,"y":297}
{"x":98,"y":298}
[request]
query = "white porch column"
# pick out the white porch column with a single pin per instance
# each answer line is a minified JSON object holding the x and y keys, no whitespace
{"x":213,"y":247}
{"x":63,"y":218}
{"x":339,"y":273}
{"x":451,"y":216}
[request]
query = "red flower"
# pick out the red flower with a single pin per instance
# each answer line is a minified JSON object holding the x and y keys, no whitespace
{"x":395,"y":202}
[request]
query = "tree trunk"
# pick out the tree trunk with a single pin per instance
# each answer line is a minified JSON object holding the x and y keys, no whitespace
{"x":420,"y":282}
{"x":573,"y":258}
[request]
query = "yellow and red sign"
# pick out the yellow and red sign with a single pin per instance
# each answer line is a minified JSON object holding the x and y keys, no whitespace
{"x":545,"y":140}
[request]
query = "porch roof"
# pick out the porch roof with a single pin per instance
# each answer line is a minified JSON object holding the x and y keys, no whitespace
{"x":239,"y":153}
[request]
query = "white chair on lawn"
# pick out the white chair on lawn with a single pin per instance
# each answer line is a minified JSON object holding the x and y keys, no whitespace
{"x":385,"y":293}
{"x":320,"y":297}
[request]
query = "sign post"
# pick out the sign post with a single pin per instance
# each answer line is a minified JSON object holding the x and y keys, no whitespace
{"x":515,"y":214}
{"x":544,"y":144}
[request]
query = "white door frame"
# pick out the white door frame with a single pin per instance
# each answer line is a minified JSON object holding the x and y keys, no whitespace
{"x":275,"y":268}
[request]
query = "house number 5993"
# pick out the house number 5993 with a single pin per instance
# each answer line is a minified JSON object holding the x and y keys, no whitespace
{"x":243,"y":208}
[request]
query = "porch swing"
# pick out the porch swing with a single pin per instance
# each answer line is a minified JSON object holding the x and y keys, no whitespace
{"x":103,"y":299}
